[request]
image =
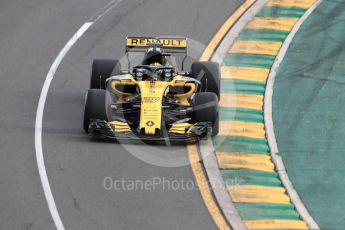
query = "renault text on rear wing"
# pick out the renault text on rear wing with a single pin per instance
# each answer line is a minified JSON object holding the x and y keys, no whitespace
{"x":170,"y":45}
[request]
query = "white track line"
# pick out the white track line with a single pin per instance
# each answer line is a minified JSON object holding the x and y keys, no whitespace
{"x":40,"y":109}
{"x":278,"y":161}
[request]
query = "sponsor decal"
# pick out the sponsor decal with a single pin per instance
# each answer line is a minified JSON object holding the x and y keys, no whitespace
{"x":150,"y":99}
{"x":150,"y":123}
{"x":165,"y":42}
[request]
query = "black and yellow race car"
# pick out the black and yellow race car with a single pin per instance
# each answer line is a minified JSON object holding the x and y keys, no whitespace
{"x":153,"y":101}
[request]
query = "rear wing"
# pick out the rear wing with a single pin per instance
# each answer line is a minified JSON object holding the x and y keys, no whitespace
{"x":170,"y":45}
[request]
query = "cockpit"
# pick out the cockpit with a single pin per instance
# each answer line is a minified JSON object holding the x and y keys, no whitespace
{"x":153,"y":73}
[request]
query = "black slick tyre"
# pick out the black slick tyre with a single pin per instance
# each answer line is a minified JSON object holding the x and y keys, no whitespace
{"x":205,"y":109}
{"x":101,"y":70}
{"x":95,"y":107}
{"x":208,"y":73}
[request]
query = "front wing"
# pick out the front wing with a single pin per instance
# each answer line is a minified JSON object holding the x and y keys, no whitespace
{"x":102,"y":129}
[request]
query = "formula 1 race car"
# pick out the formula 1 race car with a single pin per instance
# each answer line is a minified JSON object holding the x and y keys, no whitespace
{"x":153,"y":101}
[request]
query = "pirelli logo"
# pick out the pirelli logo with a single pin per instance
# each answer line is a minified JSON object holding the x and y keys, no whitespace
{"x":173,"y":43}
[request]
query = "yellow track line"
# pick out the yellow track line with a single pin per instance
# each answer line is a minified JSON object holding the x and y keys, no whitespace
{"x":244,"y":73}
{"x":291,"y":3}
{"x":248,"y":97}
{"x":243,"y":134}
{"x":245,"y":196}
{"x":242,"y":129}
{"x":276,"y":224}
{"x":253,"y":157}
{"x":192,"y":150}
{"x":256,"y":47}
{"x":256,"y":156}
{"x":247,"y":101}
{"x":285,"y":24}
{"x":257,"y":189}
{"x":252,"y":193}
{"x":228,"y":160}
{"x":204,"y":187}
{"x":243,"y":125}
{"x":243,"y":165}
{"x":224,"y":29}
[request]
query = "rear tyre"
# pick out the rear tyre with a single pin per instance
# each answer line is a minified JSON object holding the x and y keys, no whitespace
{"x":101,"y":70}
{"x":208,"y":73}
{"x":205,"y":109}
{"x":95,"y":107}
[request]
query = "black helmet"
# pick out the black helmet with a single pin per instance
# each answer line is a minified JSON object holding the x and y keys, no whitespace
{"x":154,"y":54}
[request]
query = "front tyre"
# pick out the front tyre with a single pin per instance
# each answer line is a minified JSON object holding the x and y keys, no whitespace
{"x":95,"y":107}
{"x":208,"y":73}
{"x":101,"y":70}
{"x":205,"y":109}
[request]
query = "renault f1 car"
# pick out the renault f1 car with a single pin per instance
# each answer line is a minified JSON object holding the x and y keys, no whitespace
{"x":153,"y":101}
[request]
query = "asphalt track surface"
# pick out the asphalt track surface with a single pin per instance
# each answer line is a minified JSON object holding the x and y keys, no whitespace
{"x":32,"y":34}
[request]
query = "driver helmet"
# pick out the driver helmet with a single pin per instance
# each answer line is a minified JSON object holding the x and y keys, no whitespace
{"x":153,"y":56}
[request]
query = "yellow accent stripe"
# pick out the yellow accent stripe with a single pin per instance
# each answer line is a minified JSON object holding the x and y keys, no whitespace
{"x":122,"y":127}
{"x":242,"y":129}
{"x":184,"y":125}
{"x":272,"y":23}
{"x":247,"y":101}
{"x":229,"y":160}
{"x":250,"y":196}
{"x":276,"y":224}
{"x":204,"y":188}
{"x":178,"y":128}
{"x":119,"y":123}
{"x":244,"y":73}
{"x":177,"y":131}
{"x":256,"y":47}
{"x":291,"y":3}
{"x":122,"y":130}
{"x":224,"y":29}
